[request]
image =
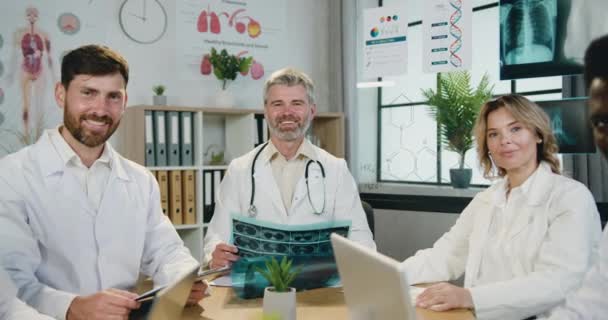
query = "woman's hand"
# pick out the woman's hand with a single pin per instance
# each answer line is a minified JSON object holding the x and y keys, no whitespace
{"x":444,"y":296}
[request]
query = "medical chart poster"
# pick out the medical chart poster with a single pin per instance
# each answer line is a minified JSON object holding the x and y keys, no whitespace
{"x":34,"y":36}
{"x":385,"y":41}
{"x":247,"y":28}
{"x":446,"y":32}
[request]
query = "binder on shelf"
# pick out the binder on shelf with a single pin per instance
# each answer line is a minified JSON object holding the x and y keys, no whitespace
{"x":173,"y":152}
{"x":149,"y":133}
{"x":217,"y":179}
{"x":211,"y":186}
{"x":186,"y":137}
{"x":258,"y":130}
{"x":207,"y":196}
{"x":160,"y":143}
{"x":163,"y":184}
{"x":175,"y":197}
{"x":264,"y":130}
{"x":189,"y":196}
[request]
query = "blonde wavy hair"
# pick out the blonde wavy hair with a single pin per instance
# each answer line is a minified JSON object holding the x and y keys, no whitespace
{"x":528,"y":114}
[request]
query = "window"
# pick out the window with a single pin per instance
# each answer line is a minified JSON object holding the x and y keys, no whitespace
{"x":408,"y":147}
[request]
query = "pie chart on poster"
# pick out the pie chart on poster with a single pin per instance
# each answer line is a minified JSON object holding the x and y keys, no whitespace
{"x":68,"y":23}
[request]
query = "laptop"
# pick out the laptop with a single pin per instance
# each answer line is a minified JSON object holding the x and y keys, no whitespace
{"x":375,"y":286}
{"x":168,"y":302}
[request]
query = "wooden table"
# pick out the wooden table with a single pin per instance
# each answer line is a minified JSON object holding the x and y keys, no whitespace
{"x":327,"y":303}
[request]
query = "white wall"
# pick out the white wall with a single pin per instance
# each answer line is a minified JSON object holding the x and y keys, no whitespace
{"x":306,"y":47}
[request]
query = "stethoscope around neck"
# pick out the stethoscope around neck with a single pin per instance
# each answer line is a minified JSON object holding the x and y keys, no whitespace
{"x":253,"y":210}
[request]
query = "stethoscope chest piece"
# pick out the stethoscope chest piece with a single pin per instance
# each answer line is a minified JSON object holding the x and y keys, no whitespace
{"x":253,"y":211}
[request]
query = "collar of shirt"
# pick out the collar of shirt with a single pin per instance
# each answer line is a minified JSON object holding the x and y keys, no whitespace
{"x":535,"y":189}
{"x":69,"y":157}
{"x":305,"y":151}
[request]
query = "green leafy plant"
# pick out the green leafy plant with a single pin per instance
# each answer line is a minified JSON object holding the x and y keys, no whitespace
{"x":280,"y":275}
{"x":159,"y":89}
{"x":455,"y":106}
{"x":227,"y":66}
{"x":217,"y":158}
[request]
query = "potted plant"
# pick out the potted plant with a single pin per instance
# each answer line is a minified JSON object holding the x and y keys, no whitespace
{"x":280,"y":298}
{"x":159,"y":98}
{"x":226,"y":68}
{"x":455,"y":106}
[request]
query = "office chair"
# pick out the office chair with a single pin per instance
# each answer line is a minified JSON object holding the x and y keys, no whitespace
{"x":369,"y":214}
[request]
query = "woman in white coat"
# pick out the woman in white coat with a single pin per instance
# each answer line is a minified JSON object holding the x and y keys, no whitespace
{"x":527,"y":240}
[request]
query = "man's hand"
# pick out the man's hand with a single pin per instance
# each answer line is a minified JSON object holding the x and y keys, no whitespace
{"x":197,"y":293}
{"x":108,"y":304}
{"x":223,"y":255}
{"x":444,"y":296}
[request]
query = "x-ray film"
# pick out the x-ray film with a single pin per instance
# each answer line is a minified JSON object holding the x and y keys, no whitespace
{"x":309,"y":247}
{"x":256,"y":238}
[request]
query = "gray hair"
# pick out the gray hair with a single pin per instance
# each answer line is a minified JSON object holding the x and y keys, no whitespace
{"x":290,"y":77}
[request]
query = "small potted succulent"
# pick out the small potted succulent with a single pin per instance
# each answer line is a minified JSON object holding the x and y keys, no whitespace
{"x":280,"y":298}
{"x":159,"y":98}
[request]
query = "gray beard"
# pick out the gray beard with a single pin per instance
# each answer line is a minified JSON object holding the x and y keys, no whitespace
{"x":290,"y":135}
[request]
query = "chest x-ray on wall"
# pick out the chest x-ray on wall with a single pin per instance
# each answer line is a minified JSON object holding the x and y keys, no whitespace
{"x":547,"y":37}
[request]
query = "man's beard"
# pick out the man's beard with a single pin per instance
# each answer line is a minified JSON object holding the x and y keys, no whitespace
{"x":73,"y":125}
{"x":290,"y":135}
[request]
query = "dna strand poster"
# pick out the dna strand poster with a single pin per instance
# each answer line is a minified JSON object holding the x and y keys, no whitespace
{"x":385,"y":41}
{"x":446,"y":32}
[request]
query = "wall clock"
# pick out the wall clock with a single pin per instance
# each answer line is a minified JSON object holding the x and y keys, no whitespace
{"x":143,"y":21}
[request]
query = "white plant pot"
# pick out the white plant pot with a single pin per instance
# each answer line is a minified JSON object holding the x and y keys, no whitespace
{"x":282,"y":304}
{"x":223,"y":99}
{"x":159,"y":100}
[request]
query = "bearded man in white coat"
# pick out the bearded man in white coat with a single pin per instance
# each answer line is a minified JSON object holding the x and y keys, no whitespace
{"x":78,"y":222}
{"x":288,"y":179}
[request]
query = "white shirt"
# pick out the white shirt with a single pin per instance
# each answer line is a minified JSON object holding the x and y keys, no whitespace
{"x":287,"y":172}
{"x":94,"y":179}
{"x":550,"y":240}
{"x":56,"y":244}
{"x":589,"y":301}
{"x":336,"y":193}
{"x":12,"y":308}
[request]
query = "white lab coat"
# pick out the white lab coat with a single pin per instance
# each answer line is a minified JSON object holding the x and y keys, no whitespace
{"x":589,"y":301}
{"x":342,"y":200}
{"x":12,"y":308}
{"x":55,"y":245}
{"x":552,"y":241}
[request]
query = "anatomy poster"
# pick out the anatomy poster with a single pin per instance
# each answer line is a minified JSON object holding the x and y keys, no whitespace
{"x":385,"y":41}
{"x":34,"y":35}
{"x":447,"y":35}
{"x":251,"y":28}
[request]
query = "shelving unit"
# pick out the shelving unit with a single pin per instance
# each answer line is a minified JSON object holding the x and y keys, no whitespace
{"x":220,"y":129}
